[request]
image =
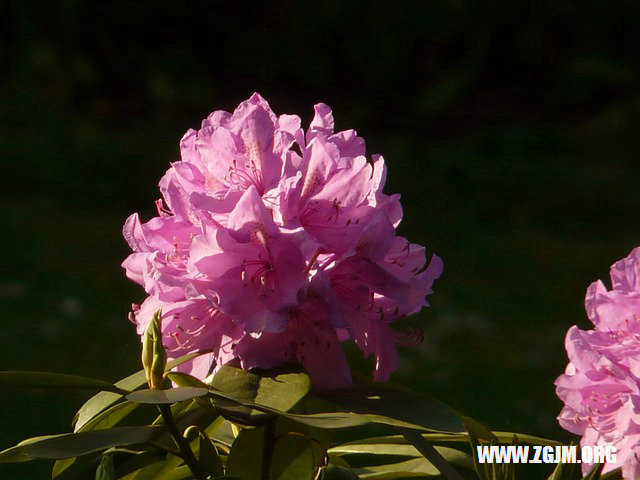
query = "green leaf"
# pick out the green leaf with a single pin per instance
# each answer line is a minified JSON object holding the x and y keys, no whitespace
{"x":338,"y":420}
{"x":185,"y":380}
{"x":104,"y":400}
{"x":75,"y":444}
{"x":295,"y":457}
{"x":612,"y":475}
{"x":55,"y":380}
{"x":334,"y":472}
{"x":594,"y":473}
{"x":149,"y":471}
{"x":107,"y":419}
{"x":76,"y":467}
{"x":283,"y":391}
{"x":61,"y":465}
{"x":277,"y":389}
{"x":110,"y":417}
{"x":566,"y":471}
{"x":503,"y":437}
{"x":432,"y":455}
{"x":246,"y":456}
{"x":179,"y":473}
{"x":137,"y":465}
{"x":105,"y":470}
{"x":405,"y":450}
{"x":417,"y":467}
{"x":483,"y":470}
{"x":171,"y":395}
{"x":15,"y":454}
{"x":400,"y":404}
{"x":478,"y":430}
{"x":208,"y":456}
{"x":239,"y":387}
{"x":159,"y":470}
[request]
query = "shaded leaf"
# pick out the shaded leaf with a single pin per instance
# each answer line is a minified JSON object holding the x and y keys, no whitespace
{"x":337,"y":420}
{"x":208,"y":456}
{"x":407,"y":450}
{"x":278,"y":390}
{"x":105,"y":470}
{"x":185,"y":380}
{"x":246,"y":456}
{"x":139,"y":463}
{"x":434,"y":457}
{"x":110,"y":417}
{"x":594,"y":473}
{"x":56,"y":380}
{"x":566,"y":471}
{"x":479,"y":430}
{"x":400,"y":404}
{"x":295,"y":457}
{"x":77,"y":467}
{"x":179,"y":473}
{"x":417,"y":467}
{"x":61,"y":465}
{"x":104,"y":400}
{"x":164,"y":469}
{"x":171,"y":395}
{"x":334,"y":472}
{"x":503,"y":437}
{"x":148,"y":472}
{"x":76,"y":444}
{"x":612,"y":475}
{"x":16,"y":454}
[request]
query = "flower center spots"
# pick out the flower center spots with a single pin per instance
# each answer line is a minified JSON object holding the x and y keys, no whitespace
{"x":257,"y":274}
{"x":302,"y":333}
{"x":326,"y":215}
{"x":309,"y":185}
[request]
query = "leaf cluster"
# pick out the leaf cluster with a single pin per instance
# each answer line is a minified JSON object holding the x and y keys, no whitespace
{"x":263,"y":426}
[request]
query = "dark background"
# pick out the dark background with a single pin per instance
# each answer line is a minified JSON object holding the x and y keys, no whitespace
{"x":508,"y":127}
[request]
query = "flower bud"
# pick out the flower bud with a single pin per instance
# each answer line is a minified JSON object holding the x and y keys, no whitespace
{"x":154,"y":356}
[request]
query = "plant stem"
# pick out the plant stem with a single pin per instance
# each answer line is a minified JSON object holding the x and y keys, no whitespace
{"x":182,"y":443}
{"x":267,"y":450}
{"x":430,"y":453}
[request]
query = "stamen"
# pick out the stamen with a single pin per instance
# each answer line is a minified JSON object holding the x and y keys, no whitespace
{"x":311,"y":262}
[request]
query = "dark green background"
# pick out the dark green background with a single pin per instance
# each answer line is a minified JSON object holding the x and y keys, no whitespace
{"x":508,"y":127}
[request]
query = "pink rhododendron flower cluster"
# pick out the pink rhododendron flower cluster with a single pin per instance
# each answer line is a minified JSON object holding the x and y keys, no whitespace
{"x":274,"y":245}
{"x":601,"y":385}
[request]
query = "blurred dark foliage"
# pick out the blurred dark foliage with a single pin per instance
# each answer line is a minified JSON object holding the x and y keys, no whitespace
{"x":509,"y":128}
{"x":429,"y":67}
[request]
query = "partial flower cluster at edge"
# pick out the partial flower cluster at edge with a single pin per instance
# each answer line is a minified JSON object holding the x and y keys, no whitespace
{"x":601,"y":384}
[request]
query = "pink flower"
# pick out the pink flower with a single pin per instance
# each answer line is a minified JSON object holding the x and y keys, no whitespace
{"x":229,"y":154}
{"x":601,"y":384}
{"x":268,"y":256}
{"x":256,"y":272}
{"x":335,"y":192}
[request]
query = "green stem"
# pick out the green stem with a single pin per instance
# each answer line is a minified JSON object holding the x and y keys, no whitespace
{"x":267,"y":449}
{"x":430,"y":453}
{"x":181,"y":442}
